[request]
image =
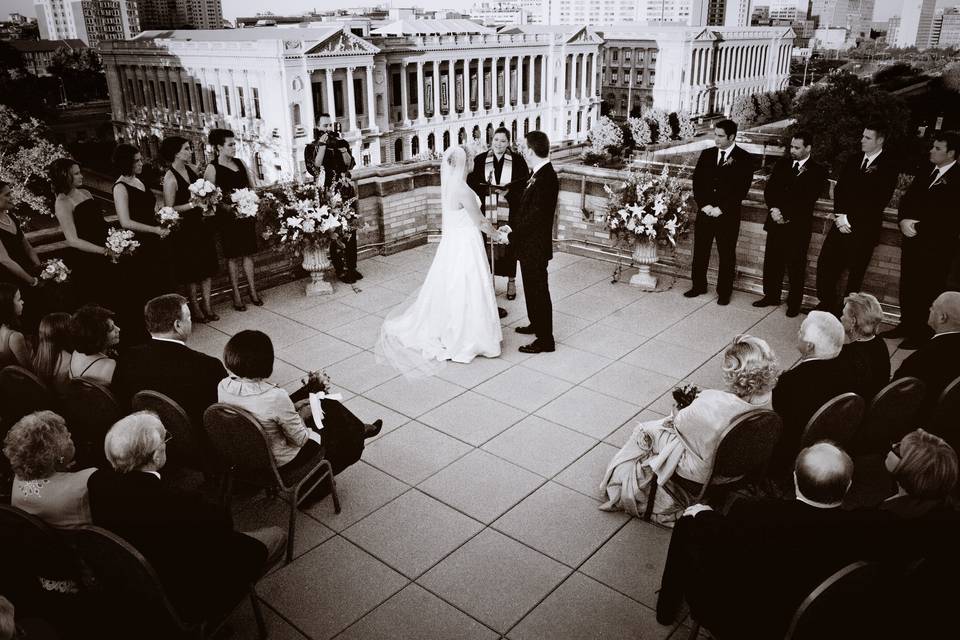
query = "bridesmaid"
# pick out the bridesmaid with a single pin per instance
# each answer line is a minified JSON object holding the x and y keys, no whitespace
{"x":19,"y":263}
{"x":146,"y":274}
{"x":193,"y":244}
{"x":85,"y":230}
{"x":238,"y":237}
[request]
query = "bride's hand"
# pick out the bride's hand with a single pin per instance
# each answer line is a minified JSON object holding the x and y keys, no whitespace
{"x":487,"y":227}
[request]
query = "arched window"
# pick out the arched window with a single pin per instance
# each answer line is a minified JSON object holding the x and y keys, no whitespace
{"x":526,"y":126}
{"x":538,"y":124}
{"x":431,"y":142}
{"x":398,"y":150}
{"x":446,"y":140}
{"x":476,"y":133}
{"x":415,"y":146}
{"x":462,"y":136}
{"x":513,"y":131}
{"x":489,"y":133}
{"x":296,"y":115}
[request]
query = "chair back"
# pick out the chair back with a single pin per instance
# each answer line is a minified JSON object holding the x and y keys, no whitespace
{"x":22,"y":393}
{"x":90,"y":409}
{"x":236,"y":436}
{"x":746,"y":444}
{"x":944,"y":420}
{"x":125,"y":579}
{"x":837,"y":420}
{"x":31,"y":549}
{"x":843,"y":605}
{"x":188,"y":447}
{"x":893,"y":413}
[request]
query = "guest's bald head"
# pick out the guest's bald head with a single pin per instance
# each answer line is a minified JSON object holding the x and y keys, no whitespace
{"x":823,"y":473}
{"x":945,"y":312}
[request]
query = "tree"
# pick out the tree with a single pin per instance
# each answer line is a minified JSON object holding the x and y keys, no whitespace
{"x":659,"y":121}
{"x":640,"y":130}
{"x":685,"y":128}
{"x":81,"y":72}
{"x":951,"y":77}
{"x":764,"y":107}
{"x":743,"y":111}
{"x":605,"y":133}
{"x":25,"y":154}
{"x":839,"y":108}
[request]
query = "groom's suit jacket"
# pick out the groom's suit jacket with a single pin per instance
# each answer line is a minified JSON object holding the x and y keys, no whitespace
{"x":533,"y":234}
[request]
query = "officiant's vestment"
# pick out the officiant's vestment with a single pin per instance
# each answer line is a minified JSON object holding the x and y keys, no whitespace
{"x":861,"y":193}
{"x":509,"y":170}
{"x":793,"y":188}
{"x":532,"y":238}
{"x":721,"y":182}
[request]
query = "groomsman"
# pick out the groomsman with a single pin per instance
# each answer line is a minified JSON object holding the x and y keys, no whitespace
{"x":791,"y":193}
{"x":859,"y":198}
{"x":721,"y":181}
{"x":930,"y":225}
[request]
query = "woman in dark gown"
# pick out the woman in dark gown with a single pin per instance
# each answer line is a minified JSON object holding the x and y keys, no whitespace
{"x":238,"y":237}
{"x":85,"y":230}
{"x":193,"y":244}
{"x":19,"y":263}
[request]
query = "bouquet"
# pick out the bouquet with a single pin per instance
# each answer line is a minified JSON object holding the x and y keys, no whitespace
{"x":120,"y":243}
{"x":54,"y":270}
{"x":205,"y":195}
{"x":300,"y":215}
{"x":649,"y":208}
{"x":168,"y":217}
{"x":246,"y":203}
{"x":685,"y":395}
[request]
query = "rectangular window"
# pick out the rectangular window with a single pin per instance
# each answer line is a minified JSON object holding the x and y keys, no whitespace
{"x":175,"y":92}
{"x":214,"y":107}
{"x":615,"y":53}
{"x":163,"y":94}
{"x":131,"y":92}
{"x":243,"y":106}
{"x":258,"y":163}
{"x":153,"y":94}
{"x":357,"y":95}
{"x":143,"y":96}
{"x":395,"y":95}
{"x":226,"y":100}
{"x":256,"y":103}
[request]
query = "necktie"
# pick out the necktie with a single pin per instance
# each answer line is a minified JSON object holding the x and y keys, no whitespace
{"x":866,"y":161}
{"x":722,"y":153}
{"x":796,"y":168}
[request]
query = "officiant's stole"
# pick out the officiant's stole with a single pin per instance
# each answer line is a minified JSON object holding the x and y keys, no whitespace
{"x":506,"y":175}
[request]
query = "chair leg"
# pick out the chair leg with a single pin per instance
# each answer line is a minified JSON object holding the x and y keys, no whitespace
{"x":258,"y":615}
{"x":651,"y":497}
{"x":292,"y":526}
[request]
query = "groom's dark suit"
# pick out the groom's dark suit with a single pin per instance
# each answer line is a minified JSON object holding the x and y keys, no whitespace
{"x":533,"y":239}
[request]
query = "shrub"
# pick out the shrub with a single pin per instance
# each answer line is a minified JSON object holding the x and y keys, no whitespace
{"x":605,"y":133}
{"x":640,"y":132}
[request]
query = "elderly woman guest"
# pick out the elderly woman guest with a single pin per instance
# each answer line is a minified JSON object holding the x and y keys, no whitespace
{"x":925,"y":469}
{"x":194,"y":247}
{"x":13,"y":346}
{"x":686,"y":442}
{"x":238,"y":237}
{"x":94,"y":333}
{"x":863,"y":349}
{"x":54,"y":350}
{"x":248,"y":357}
{"x":85,"y":230}
{"x":40,"y":452}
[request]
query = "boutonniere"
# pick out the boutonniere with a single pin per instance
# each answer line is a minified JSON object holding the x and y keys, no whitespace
{"x":802,"y":170}
{"x":871,"y":169}
{"x":532,"y":181}
{"x":940,"y":180}
{"x":728,"y":161}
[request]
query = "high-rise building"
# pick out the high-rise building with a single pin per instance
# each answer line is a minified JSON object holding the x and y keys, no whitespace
{"x":179,"y":14}
{"x":829,"y":13}
{"x":916,"y":24}
{"x":499,"y":13}
{"x":92,"y":21}
{"x":950,"y":28}
{"x":596,"y":12}
{"x":893,"y":30}
{"x":785,"y":10}
{"x":726,"y":13}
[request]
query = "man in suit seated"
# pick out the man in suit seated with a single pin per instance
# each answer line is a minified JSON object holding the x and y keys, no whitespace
{"x":201,"y":561}
{"x":166,"y":364}
{"x":817,"y":377}
{"x":937,"y":362}
{"x":744,"y":574}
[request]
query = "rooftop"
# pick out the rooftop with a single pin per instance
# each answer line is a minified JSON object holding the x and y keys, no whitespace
{"x":30,"y":46}
{"x":409,"y":27}
{"x":242,"y":35}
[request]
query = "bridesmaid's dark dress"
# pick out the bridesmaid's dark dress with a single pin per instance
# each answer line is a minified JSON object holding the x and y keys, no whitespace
{"x":35,"y":305}
{"x":93,"y":275}
{"x":238,"y":237}
{"x":193,"y":243}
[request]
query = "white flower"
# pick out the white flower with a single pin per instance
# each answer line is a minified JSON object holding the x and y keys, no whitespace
{"x":294,"y":222}
{"x":245,"y":202}
{"x":168,"y":217}
{"x":649,"y":220}
{"x":55,"y":270}
{"x":119,"y":243}
{"x":309,"y":225}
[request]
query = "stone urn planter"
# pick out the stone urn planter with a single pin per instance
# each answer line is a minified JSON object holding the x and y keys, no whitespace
{"x":316,"y":262}
{"x":644,"y":255}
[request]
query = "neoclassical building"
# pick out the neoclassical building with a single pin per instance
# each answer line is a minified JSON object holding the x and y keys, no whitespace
{"x":410,"y":87}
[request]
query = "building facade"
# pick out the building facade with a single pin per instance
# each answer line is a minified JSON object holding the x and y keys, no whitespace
{"x":180,"y":14}
{"x":395,"y":97}
{"x":498,"y":13}
{"x":92,"y":21}
{"x":702,"y":70}
{"x":38,"y":54}
{"x":829,"y":13}
{"x":597,"y":12}
{"x":916,"y":24}
{"x":950,"y":28}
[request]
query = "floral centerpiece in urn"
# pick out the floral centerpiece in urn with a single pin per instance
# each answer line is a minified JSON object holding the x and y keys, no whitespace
{"x":647,"y":211}
{"x":305,"y":218}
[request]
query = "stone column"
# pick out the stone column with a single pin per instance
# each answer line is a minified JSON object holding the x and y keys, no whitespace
{"x":494,"y":97}
{"x":371,"y":112}
{"x":436,"y":89}
{"x":404,"y":93}
{"x":583,"y":76}
{"x":421,"y":107}
{"x":593,"y":75}
{"x":481,"y":97}
{"x":351,"y":101}
{"x":451,"y":76}
{"x":331,"y":105}
{"x":531,"y":70}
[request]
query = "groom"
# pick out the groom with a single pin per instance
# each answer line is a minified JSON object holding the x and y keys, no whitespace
{"x":532,"y":240}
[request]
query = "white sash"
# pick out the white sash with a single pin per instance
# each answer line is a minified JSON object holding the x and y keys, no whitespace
{"x":490,"y":175}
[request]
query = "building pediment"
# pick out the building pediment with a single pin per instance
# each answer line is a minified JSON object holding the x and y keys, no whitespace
{"x":707,"y":35}
{"x":343,"y":43}
{"x":584,"y":36}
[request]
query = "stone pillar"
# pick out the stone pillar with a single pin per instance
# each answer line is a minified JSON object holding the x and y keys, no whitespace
{"x":404,"y":94}
{"x":494,"y":96}
{"x":583,"y":76}
{"x":481,"y":97}
{"x":436,"y":89}
{"x":371,"y":110}
{"x":531,"y":84}
{"x":421,"y":107}
{"x":331,"y":105}
{"x":593,"y":75}
{"x":351,"y":101}
{"x":451,"y":76}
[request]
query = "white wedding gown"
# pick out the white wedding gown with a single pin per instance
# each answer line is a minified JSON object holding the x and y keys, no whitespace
{"x":454,"y":314}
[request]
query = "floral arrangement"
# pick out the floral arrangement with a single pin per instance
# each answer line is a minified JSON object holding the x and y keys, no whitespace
{"x":54,"y":270}
{"x":168,"y":217}
{"x":245,"y":203}
{"x":205,"y":195}
{"x":120,"y":243}
{"x":648,"y":208}
{"x":305,"y":214}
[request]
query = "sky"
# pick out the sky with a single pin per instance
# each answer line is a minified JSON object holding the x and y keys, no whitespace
{"x":233,"y":8}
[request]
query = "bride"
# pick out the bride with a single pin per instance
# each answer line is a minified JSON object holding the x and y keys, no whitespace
{"x":454,"y":314}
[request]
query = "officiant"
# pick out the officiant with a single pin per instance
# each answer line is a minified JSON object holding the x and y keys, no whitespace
{"x":499,"y":176}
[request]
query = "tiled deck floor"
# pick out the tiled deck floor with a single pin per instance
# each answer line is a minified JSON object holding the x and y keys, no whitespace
{"x":474,"y":513}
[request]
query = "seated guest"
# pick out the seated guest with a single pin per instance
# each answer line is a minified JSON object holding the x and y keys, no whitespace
{"x":249,"y":359}
{"x":864,"y":351}
{"x":51,"y":362}
{"x":201,"y":561}
{"x":817,"y":377}
{"x":937,"y":362}
{"x":40,"y":451}
{"x":94,"y":333}
{"x":744,"y":574}
{"x":166,"y":364}
{"x":13,"y":346}
{"x":924,"y":467}
{"x":685,"y":443}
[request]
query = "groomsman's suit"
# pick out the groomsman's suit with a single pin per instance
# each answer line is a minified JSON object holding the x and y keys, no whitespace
{"x":533,"y":240}
{"x":720,"y":181}
{"x":793,"y":188}
{"x":862,"y":193}
{"x":925,"y":259}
